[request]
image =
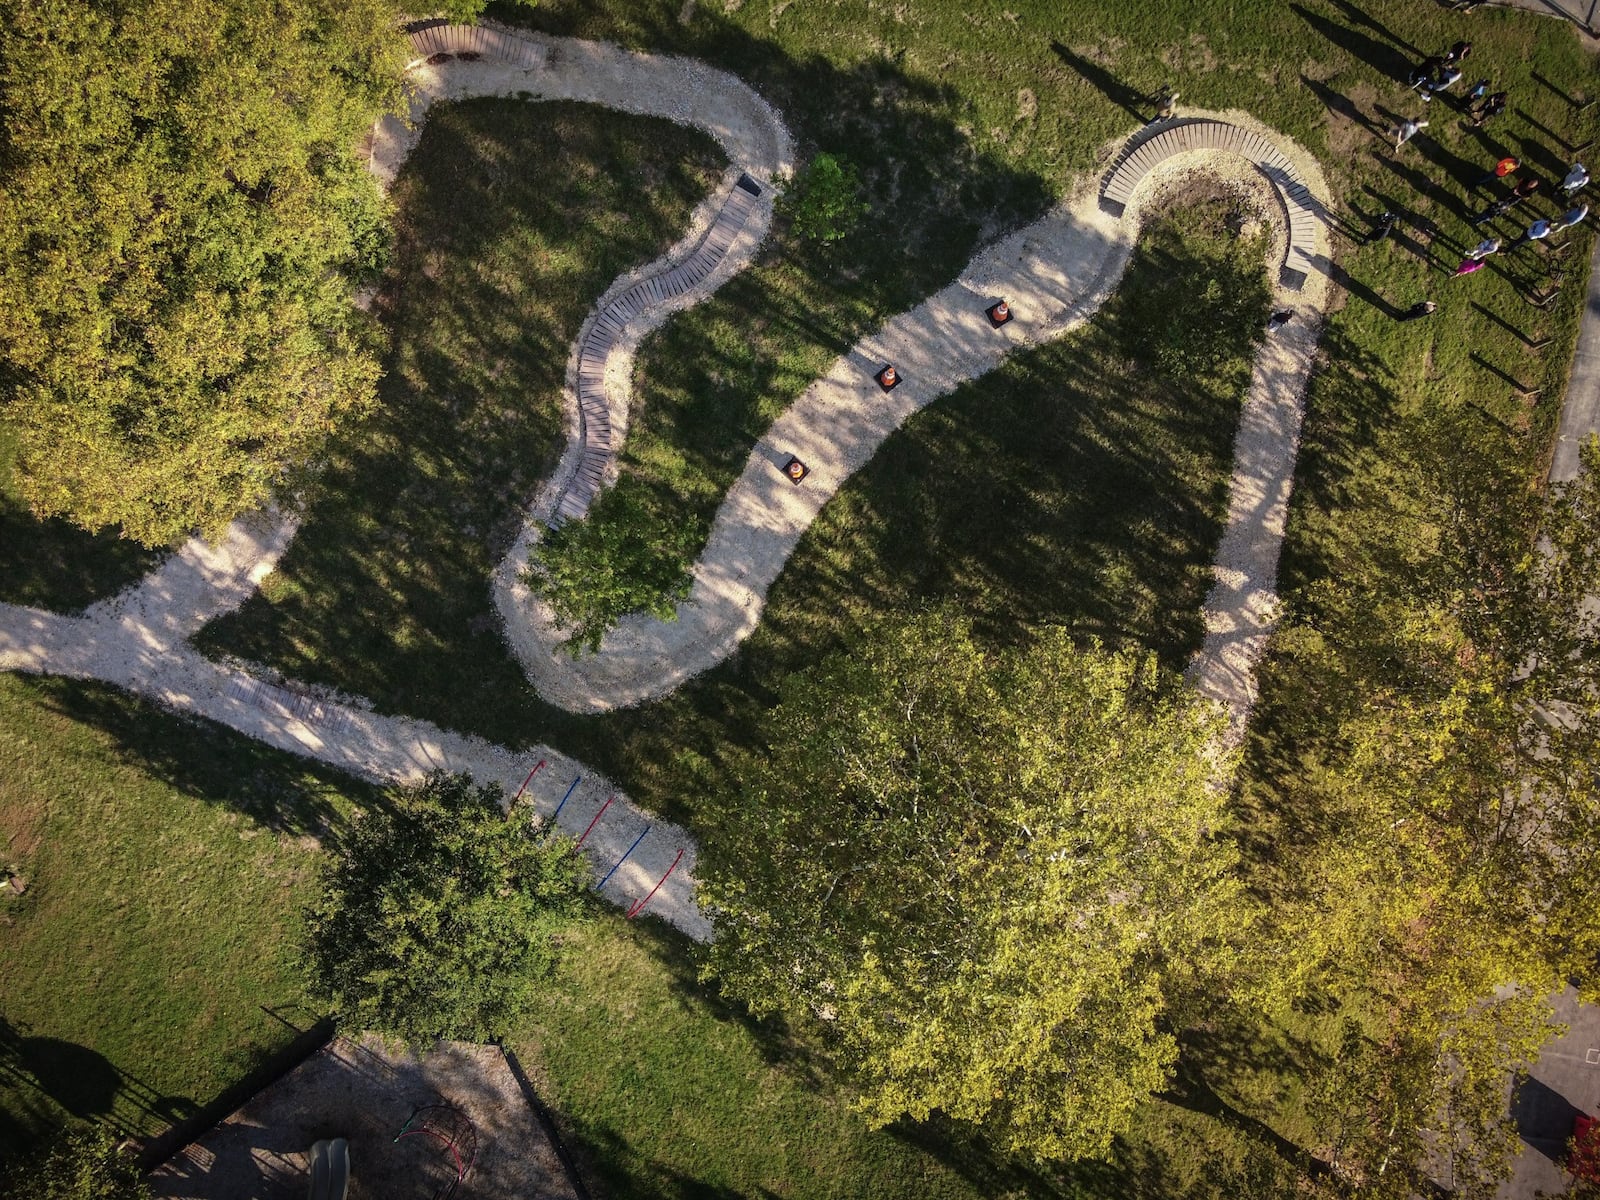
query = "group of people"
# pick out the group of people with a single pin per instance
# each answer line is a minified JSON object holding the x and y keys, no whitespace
{"x":1438,"y":73}
{"x":1435,"y":76}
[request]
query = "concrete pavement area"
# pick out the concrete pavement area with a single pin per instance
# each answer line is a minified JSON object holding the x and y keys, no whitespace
{"x":1580,"y":411}
{"x":1564,"y":1082}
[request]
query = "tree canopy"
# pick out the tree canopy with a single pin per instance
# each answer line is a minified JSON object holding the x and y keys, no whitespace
{"x":989,"y":875}
{"x":79,"y":1164}
{"x":439,"y":913}
{"x":1443,"y":836}
{"x":181,"y":208}
{"x":621,"y":558}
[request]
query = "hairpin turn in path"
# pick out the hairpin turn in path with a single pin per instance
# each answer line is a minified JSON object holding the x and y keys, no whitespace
{"x":1054,"y":274}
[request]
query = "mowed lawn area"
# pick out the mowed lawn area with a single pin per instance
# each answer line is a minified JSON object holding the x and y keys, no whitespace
{"x":511,"y":219}
{"x":1111,"y":469}
{"x":165,"y":863}
{"x":963,"y":126}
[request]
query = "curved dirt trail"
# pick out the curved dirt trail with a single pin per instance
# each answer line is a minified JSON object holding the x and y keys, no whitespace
{"x":1055,"y":274}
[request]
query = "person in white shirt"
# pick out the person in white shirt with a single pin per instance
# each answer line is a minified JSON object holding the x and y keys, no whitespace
{"x":1533,"y":233}
{"x":1407,"y":130}
{"x":1577,"y":179}
{"x":1571,"y":217}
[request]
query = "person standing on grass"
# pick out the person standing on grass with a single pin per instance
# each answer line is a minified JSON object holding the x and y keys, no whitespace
{"x":1501,"y":207}
{"x":1493,"y":106}
{"x":1577,"y":179}
{"x":1506,"y":166}
{"x":1467,"y":267}
{"x":1536,"y":232}
{"x":1383,"y":228}
{"x":1407,"y":130}
{"x":1447,"y":79}
{"x":1422,"y":308}
{"x":1423,"y":71}
{"x":1573,"y":216}
{"x":1457,"y":53}
{"x":1489,"y":245}
{"x":1477,"y":91}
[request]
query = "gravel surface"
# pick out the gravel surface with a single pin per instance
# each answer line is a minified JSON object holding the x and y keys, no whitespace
{"x":1055,"y":274}
{"x":365,"y":1090}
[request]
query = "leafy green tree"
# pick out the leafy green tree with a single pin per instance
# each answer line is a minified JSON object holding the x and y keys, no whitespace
{"x":182,"y":207}
{"x":622,"y":558}
{"x":989,"y":876}
{"x":440,"y":913}
{"x":1439,"y":742}
{"x":83,"y":1164}
{"x":823,"y":199}
{"x":464,"y":12}
{"x":1426,"y":1097}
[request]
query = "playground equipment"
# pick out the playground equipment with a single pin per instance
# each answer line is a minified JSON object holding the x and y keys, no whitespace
{"x":457,"y":1140}
{"x":330,"y":1169}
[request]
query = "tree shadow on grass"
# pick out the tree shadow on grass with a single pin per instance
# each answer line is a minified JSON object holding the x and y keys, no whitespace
{"x":44,"y":1078}
{"x":385,"y":592}
{"x":56,"y":566}
{"x":606,"y":1154}
{"x":210,"y":762}
{"x":799,"y":1054}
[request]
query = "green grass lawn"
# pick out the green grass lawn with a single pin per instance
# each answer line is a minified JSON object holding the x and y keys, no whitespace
{"x":1012,"y":104}
{"x":512,"y":219}
{"x":665,"y":1091}
{"x":165,"y":863}
{"x":1076,"y":485}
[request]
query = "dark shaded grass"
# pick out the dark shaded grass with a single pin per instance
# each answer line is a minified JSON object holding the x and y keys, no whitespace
{"x":53,"y":564}
{"x":1073,"y":486}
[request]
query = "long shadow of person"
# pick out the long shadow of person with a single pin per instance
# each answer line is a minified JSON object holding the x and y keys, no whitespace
{"x":1124,"y":97}
{"x":1422,"y":185}
{"x":1336,"y":102}
{"x":1411,"y":219}
{"x":1342,"y":278}
{"x":1360,"y":17}
{"x":1377,"y":55}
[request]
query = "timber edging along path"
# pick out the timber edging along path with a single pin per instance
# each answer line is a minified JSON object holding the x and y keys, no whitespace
{"x":1157,"y":143}
{"x":621,"y":317}
{"x":606,"y":330}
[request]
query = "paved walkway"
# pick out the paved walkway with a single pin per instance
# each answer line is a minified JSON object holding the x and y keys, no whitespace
{"x":1580,"y":409}
{"x":1055,"y":274}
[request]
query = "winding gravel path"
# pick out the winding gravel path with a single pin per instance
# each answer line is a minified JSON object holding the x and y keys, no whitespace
{"x":1054,"y":274}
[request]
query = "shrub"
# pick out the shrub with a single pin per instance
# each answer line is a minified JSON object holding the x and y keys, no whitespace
{"x":623,"y":557}
{"x":439,"y":914}
{"x":822,"y":201}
